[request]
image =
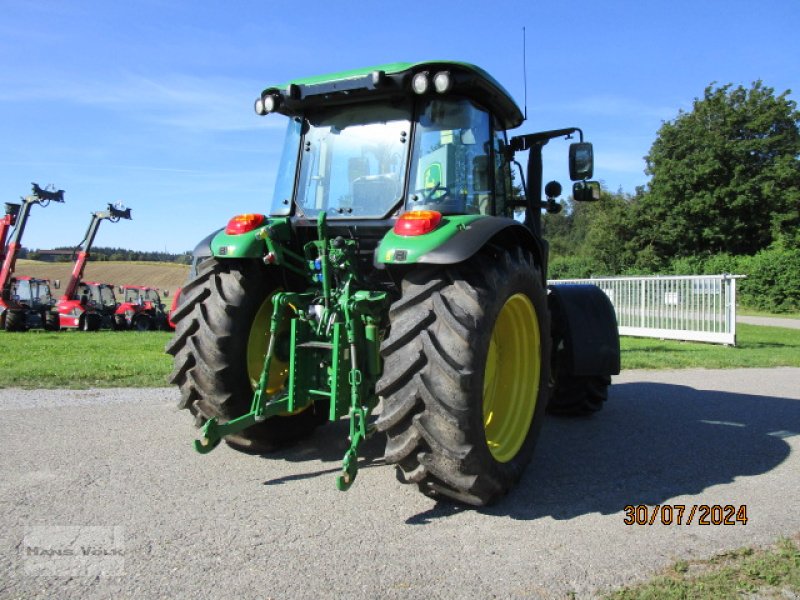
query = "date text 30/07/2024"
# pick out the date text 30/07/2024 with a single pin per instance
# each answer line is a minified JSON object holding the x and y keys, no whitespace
{"x":683,"y":514}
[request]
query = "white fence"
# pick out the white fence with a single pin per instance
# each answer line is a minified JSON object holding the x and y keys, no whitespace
{"x":700,"y":308}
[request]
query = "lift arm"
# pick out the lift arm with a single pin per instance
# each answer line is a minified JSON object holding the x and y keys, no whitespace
{"x":6,"y":223}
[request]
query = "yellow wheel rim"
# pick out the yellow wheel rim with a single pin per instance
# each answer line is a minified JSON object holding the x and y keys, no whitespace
{"x":257,"y":344}
{"x":511,"y":378}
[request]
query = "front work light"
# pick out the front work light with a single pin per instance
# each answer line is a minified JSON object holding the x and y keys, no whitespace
{"x":442,"y":82}
{"x":420,"y":83}
{"x":243,"y":223}
{"x":259,"y":106}
{"x":271,"y":102}
{"x":417,"y":222}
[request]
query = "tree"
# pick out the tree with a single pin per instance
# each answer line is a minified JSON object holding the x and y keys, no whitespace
{"x":725,"y":177}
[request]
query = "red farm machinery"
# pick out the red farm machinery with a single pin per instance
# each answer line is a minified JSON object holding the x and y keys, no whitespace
{"x":15,"y":313}
{"x":76,"y":309}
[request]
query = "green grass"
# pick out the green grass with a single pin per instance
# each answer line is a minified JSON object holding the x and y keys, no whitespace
{"x":75,"y":359}
{"x":756,"y":347}
{"x":72,"y":359}
{"x":743,"y":573}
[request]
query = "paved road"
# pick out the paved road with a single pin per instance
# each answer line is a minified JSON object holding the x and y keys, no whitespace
{"x":770,"y":321}
{"x":111,"y":473}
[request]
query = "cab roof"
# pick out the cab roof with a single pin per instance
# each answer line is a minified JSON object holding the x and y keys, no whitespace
{"x":298,"y":95}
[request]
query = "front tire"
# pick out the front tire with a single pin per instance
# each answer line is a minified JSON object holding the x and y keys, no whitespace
{"x":221,"y":337}
{"x":466,"y":372}
{"x":51,"y":321}
{"x":16,"y":320}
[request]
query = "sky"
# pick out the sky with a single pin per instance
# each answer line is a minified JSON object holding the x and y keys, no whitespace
{"x":150,"y":103}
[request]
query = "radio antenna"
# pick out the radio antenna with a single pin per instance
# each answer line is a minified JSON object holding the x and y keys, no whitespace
{"x":525,"y":72}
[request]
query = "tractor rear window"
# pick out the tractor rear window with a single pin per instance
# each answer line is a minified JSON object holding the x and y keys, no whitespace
{"x":353,"y":160}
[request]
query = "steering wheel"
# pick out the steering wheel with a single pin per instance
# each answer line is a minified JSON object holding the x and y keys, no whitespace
{"x":429,"y":192}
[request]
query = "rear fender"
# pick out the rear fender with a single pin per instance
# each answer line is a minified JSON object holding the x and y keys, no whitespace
{"x":583,"y":319}
{"x":458,"y":238}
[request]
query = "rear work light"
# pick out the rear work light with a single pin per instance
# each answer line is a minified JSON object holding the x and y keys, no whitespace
{"x":417,"y":222}
{"x":243,"y":223}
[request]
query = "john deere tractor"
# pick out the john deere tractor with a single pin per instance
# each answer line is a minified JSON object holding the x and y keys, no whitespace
{"x":390,"y":283}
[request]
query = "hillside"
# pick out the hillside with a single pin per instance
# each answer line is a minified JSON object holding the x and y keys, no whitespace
{"x":165,"y":276}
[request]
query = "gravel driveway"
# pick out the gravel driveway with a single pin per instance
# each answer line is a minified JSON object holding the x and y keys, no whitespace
{"x":102,"y":496}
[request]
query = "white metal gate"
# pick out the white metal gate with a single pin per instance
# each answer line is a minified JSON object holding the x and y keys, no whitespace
{"x":699,"y":308}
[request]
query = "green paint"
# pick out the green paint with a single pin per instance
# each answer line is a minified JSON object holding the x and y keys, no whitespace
{"x":244,"y":245}
{"x":400,"y":249}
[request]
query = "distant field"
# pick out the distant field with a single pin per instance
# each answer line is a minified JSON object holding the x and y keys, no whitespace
{"x":165,"y":276}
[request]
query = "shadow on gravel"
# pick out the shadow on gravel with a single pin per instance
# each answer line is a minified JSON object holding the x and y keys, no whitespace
{"x":651,"y":443}
{"x":327,"y":444}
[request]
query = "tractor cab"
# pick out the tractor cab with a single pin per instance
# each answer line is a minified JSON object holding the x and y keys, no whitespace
{"x":31,"y":302}
{"x":31,"y":292}
{"x":376,"y":143}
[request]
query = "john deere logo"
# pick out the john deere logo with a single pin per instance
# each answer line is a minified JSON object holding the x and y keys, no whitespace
{"x":433,"y":175}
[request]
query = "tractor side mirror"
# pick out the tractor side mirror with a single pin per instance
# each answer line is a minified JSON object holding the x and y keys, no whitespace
{"x":586,"y":191}
{"x":581,"y":161}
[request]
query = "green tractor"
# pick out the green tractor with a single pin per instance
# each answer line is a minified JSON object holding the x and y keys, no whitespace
{"x":391,"y":271}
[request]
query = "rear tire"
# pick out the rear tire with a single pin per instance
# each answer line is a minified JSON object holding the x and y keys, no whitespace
{"x":466,"y":372}
{"x":212,"y":347}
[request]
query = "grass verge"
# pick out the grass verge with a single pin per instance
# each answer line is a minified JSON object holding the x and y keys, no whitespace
{"x":73,"y":359}
{"x":744,"y":573}
{"x":76,"y":359}
{"x":756,"y":347}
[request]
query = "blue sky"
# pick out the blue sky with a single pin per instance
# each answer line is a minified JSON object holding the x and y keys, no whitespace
{"x":150,"y":102}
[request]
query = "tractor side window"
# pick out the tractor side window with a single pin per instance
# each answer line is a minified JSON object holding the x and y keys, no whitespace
{"x":107,"y":296}
{"x":451,"y":161}
{"x":284,"y":181}
{"x":23,"y":290}
{"x":502,"y":177}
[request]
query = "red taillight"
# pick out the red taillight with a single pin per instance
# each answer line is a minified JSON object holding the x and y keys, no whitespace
{"x":417,"y":222}
{"x":243,"y":223}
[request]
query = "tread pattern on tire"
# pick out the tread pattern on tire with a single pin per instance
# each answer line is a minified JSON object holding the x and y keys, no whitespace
{"x":212,"y":326}
{"x":432,"y":384}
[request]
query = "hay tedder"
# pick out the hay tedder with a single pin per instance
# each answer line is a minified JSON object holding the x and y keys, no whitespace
{"x":391,"y":272}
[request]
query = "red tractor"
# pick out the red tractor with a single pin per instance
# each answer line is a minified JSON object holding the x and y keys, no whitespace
{"x":74,"y":307}
{"x":17,"y":216}
{"x":32,"y":306}
{"x":142,"y":308}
